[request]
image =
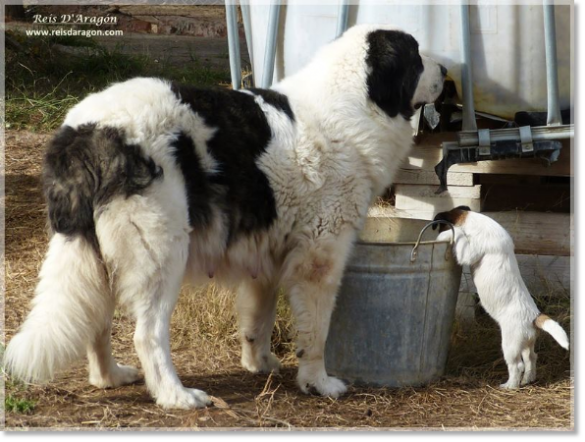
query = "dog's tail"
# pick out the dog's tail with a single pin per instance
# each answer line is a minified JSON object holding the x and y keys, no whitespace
{"x":553,"y":328}
{"x":70,"y":306}
{"x":84,"y":169}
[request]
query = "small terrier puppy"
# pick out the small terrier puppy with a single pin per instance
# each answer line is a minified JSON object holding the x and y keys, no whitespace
{"x":487,"y":248}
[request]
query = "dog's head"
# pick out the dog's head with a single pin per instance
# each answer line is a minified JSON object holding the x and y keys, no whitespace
{"x":399,"y":79}
{"x":455,"y":216}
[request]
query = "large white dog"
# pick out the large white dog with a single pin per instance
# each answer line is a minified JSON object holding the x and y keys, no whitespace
{"x":150,"y":183}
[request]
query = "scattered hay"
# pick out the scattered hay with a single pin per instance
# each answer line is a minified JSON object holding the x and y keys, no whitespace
{"x":206,"y":354}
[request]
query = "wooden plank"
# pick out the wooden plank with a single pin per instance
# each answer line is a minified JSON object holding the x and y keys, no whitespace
{"x":537,"y":232}
{"x":542,"y":274}
{"x":428,"y":191}
{"x":413,"y":176}
{"x":426,"y":155}
{"x":532,"y":232}
{"x":423,"y":201}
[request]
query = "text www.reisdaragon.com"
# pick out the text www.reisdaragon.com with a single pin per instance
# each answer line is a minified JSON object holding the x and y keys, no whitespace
{"x":74,"y":33}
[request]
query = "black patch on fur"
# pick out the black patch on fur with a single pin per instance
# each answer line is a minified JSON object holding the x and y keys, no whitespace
{"x":243,"y":133}
{"x":199,"y":193}
{"x":395,"y":68}
{"x":279,"y":101}
{"x":84,"y":168}
{"x":448,"y":216}
{"x":442,"y":216}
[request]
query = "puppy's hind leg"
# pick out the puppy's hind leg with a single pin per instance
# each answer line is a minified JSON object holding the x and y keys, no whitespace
{"x":512,"y":348}
{"x":256,"y":306}
{"x":529,"y":357}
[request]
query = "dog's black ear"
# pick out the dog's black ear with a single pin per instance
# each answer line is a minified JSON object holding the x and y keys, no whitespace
{"x":444,"y":216}
{"x":464,"y":208}
{"x":394,"y":69}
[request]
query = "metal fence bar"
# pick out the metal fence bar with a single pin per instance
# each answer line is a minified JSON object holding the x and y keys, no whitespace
{"x":271,"y":36}
{"x":245,"y":8}
{"x":552,"y":79}
{"x":342,"y":17}
{"x":469,"y":123}
{"x":540,"y":133}
{"x":233,"y":43}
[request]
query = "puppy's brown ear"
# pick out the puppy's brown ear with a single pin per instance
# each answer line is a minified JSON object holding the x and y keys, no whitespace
{"x":441,"y":216}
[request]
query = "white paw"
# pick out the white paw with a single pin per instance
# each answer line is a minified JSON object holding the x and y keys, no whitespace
{"x":118,"y":376}
{"x":528,"y":379}
{"x":184,"y":398}
{"x":266,"y":364}
{"x":325,"y":385}
{"x":510,"y":385}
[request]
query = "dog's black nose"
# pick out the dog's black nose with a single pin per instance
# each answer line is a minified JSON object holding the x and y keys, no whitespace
{"x":443,"y":70}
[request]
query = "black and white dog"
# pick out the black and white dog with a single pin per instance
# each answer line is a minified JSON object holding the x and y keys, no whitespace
{"x":485,"y":246}
{"x":150,"y":184}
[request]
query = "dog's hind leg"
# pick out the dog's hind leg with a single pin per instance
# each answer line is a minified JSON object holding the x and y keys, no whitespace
{"x":104,"y":371}
{"x":512,"y":348}
{"x":256,"y":306}
{"x":145,"y":246}
{"x":153,"y":310}
{"x":529,"y":357}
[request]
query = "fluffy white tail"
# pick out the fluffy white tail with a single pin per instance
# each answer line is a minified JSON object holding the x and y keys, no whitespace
{"x":72,"y":303}
{"x":554,"y":329}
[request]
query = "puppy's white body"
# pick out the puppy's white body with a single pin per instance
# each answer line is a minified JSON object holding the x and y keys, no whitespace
{"x":485,"y":246}
{"x":323,"y":166}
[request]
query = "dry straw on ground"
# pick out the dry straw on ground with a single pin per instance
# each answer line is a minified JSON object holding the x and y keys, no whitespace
{"x":206,"y":354}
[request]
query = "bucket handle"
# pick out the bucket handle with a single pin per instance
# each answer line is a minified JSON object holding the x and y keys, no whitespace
{"x":414,"y":253}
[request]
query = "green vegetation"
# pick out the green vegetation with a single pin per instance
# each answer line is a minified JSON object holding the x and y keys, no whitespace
{"x":46,"y":76}
{"x":11,"y":404}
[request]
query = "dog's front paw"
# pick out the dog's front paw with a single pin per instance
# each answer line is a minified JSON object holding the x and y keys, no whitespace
{"x":263,"y":364}
{"x":328,"y":386}
{"x":184,"y":398}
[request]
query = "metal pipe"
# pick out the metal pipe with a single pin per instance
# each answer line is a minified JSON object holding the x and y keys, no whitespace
{"x":342,"y":18}
{"x":245,"y":8}
{"x":542,"y":133}
{"x":233,"y":43}
{"x":271,"y":36}
{"x":469,"y":123}
{"x":552,"y":79}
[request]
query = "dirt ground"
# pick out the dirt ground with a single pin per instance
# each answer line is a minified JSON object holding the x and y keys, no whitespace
{"x":466,"y":397}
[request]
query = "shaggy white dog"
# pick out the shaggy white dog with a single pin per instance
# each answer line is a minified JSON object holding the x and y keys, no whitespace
{"x":487,"y":248}
{"x":150,"y":183}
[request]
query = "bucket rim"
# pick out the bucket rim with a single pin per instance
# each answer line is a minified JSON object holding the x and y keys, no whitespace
{"x":399,"y":243}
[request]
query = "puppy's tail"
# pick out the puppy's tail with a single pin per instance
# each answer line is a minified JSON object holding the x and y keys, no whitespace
{"x":553,"y":328}
{"x":71,"y":303}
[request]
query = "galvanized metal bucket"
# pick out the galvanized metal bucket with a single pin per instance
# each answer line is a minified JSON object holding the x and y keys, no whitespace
{"x":395,"y":309}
